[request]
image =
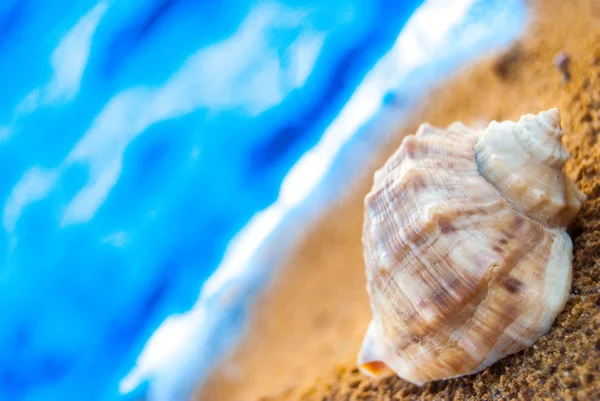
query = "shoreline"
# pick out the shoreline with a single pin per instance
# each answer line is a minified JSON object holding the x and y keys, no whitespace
{"x":227,"y":380}
{"x":187,"y":346}
{"x":296,"y":337}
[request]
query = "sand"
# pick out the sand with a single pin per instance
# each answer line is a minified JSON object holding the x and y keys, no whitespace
{"x":308,"y":325}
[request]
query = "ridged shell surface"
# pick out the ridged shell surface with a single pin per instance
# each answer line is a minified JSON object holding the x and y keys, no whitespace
{"x":459,"y":272}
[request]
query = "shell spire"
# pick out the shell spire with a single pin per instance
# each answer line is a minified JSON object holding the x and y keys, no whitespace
{"x":541,"y":136}
{"x":524,"y":161}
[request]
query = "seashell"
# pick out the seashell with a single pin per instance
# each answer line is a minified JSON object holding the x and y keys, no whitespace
{"x":466,"y":249}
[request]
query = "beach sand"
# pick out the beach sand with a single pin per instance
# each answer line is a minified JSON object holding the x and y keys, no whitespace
{"x":309,"y":323}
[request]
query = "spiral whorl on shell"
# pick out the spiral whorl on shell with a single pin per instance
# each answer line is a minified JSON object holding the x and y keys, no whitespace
{"x":466,"y":249}
{"x":532,"y":145}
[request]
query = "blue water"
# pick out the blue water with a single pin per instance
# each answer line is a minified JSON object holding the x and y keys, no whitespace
{"x":136,"y":139}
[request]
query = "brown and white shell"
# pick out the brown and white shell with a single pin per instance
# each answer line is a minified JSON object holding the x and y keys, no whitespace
{"x":466,"y":249}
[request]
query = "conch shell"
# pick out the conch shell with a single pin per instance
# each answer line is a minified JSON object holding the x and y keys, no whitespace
{"x":466,"y":249}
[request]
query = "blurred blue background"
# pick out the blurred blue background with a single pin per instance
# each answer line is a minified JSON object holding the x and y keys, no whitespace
{"x":136,"y":139}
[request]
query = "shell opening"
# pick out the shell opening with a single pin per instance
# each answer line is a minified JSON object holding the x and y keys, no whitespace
{"x":376,"y":369}
{"x":372,"y":353}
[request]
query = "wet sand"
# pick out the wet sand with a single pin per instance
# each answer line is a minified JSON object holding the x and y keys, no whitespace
{"x":309,"y":323}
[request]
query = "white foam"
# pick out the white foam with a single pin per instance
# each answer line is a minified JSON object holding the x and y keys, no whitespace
{"x":34,"y":185}
{"x":68,"y":61}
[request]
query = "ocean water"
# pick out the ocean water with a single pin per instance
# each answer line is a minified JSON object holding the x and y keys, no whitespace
{"x":151,"y":151}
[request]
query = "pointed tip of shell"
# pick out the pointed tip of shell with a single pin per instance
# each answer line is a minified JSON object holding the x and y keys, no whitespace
{"x":541,"y":135}
{"x":550,"y":117}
